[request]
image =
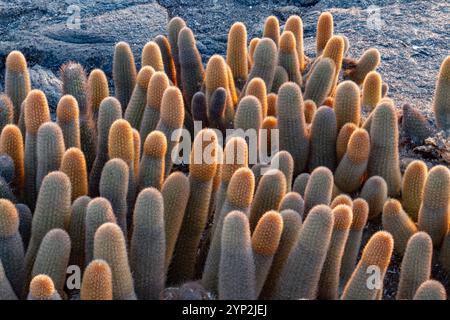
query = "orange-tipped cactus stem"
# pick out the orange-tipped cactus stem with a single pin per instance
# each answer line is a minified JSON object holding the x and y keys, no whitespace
{"x":155,"y":91}
{"x":371,"y":91}
{"x":74,"y":165}
{"x":203,"y":166}
{"x":324,"y":31}
{"x":124,"y":73}
{"x":288,"y":57}
{"x":11,"y":143}
{"x":151,"y":56}
{"x":368,"y":62}
{"x":300,"y":276}
{"x":17,"y":81}
{"x":67,"y":117}
{"x":329,"y":279}
{"x":97,"y":91}
{"x":237,"y":56}
{"x":272,"y":29}
{"x":433,"y":212}
{"x":416,"y":265}
{"x":36,"y":112}
{"x":412,"y":187}
{"x":166,"y":53}
{"x":353,"y":244}
{"x":151,"y":171}
{"x":398,"y":223}
{"x":97,"y":281}
{"x":441,"y":107}
{"x":350,"y":171}
{"x":265,"y":241}
{"x":295,"y":24}
{"x":376,"y":256}
{"x":138,"y":100}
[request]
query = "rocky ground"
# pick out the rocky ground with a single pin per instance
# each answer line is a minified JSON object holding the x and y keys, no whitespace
{"x":412,"y":36}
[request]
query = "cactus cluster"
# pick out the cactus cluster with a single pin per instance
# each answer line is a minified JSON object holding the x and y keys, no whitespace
{"x":150,"y":206}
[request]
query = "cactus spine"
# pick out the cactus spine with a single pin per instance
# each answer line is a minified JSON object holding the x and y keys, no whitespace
{"x":17,"y":81}
{"x":293,"y":201}
{"x":265,"y":241}
{"x":53,"y":257}
{"x":384,"y":157}
{"x":175,"y":191}
{"x":300,"y":183}
{"x":148,"y":244}
{"x":434,"y":210}
{"x":237,"y":267}
{"x":377,"y":252}
{"x":301,"y":274}
{"x":11,"y":246}
{"x":414,"y":125}
{"x":329,"y":279}
{"x":109,"y":245}
{"x":416,"y":265}
{"x":322,"y":149}
{"x":124,"y":73}
{"x":67,"y":117}
{"x":97,"y":281}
